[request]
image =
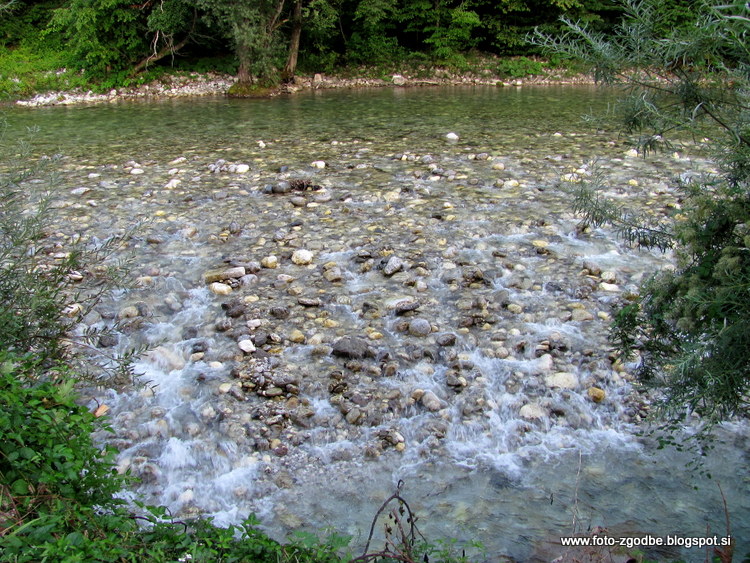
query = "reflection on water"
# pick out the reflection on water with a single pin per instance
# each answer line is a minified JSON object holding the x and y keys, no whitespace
{"x":486,"y":413}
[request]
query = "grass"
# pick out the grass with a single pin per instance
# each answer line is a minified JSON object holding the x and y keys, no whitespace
{"x":27,"y":70}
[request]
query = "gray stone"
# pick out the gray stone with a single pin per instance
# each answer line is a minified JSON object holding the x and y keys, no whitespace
{"x":419,"y":327}
{"x":394,"y":264}
{"x":445,"y":339}
{"x":350,"y":347}
{"x":401,"y":306}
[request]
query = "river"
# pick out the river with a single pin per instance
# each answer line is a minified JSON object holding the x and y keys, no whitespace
{"x":338,"y":295}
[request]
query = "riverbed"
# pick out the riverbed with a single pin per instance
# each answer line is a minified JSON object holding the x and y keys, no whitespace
{"x":342,"y":290}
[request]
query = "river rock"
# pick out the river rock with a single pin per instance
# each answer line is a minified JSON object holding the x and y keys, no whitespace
{"x":419,"y":327}
{"x":592,"y":268}
{"x":445,"y":339}
{"x":220,"y":288}
{"x":297,"y":336}
{"x":246,"y":346}
{"x":355,"y":416}
{"x":333,"y":274}
{"x":398,"y":80}
{"x":532,"y":411}
{"x":604,"y":286}
{"x":580,"y":315}
{"x":270,"y":262}
{"x":561,"y":380}
{"x":431,"y":402}
{"x":234,"y":308}
{"x":402,"y":305}
{"x":302,"y":257}
{"x":350,"y":347}
{"x":394,"y":264}
{"x":452,"y":136}
{"x":596,"y":394}
{"x":318,"y":164}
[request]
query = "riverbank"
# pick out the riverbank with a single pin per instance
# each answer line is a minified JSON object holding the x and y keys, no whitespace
{"x":215,"y":84}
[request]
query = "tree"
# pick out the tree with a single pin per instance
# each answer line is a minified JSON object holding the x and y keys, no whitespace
{"x":253,"y":29}
{"x":111,"y":36}
{"x":690,"y":326}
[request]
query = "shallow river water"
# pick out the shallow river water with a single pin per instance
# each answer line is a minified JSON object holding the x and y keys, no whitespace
{"x":338,"y":297}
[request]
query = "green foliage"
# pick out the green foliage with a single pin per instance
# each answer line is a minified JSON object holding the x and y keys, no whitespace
{"x":27,"y":70}
{"x":520,"y":67}
{"x":102,"y":35}
{"x":253,"y":29}
{"x":456,"y":35}
{"x":20,"y":21}
{"x":46,"y":452}
{"x":690,"y":326}
{"x":57,"y":487}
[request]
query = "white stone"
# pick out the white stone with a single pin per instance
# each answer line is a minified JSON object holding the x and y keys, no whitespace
{"x":398,"y":80}
{"x":136,"y":171}
{"x":609,"y":286}
{"x":220,"y":288}
{"x":302,"y":257}
{"x":246,"y":346}
{"x":270,"y":262}
{"x":532,"y":411}
{"x":544,"y":363}
{"x":562,"y":380}
{"x":452,"y":136}
{"x":242,"y":168}
{"x":318,"y":164}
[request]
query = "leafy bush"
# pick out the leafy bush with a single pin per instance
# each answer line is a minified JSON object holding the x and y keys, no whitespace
{"x":520,"y":67}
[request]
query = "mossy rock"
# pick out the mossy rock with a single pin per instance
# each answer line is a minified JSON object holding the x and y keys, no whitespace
{"x":240,"y":90}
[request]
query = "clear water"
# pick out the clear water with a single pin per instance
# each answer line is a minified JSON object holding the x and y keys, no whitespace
{"x":475,"y":469}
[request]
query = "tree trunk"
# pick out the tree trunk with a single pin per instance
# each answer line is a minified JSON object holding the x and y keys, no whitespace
{"x":290,"y":68}
{"x":166,"y":50}
{"x":243,"y":71}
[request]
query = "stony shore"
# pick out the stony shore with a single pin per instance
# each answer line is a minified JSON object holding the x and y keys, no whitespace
{"x":212,"y":84}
